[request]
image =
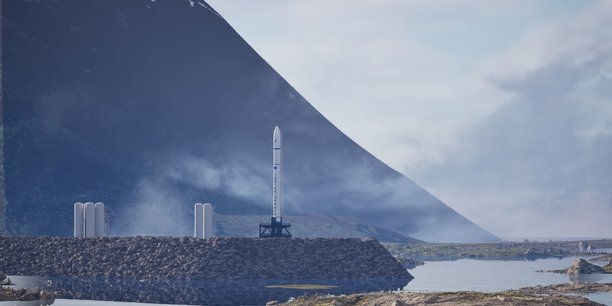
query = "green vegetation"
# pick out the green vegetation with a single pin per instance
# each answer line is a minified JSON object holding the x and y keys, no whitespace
{"x":494,"y":251}
{"x":302,"y":286}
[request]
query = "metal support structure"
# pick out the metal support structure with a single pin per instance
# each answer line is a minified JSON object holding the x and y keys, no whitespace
{"x":276,"y":228}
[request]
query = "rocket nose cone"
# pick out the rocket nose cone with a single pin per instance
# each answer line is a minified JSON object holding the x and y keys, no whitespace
{"x":277,"y":137}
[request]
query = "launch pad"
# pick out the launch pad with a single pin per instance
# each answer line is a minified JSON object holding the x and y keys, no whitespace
{"x":276,"y":228}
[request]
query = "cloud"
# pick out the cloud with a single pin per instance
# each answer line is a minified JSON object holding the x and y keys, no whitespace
{"x":542,"y":160}
{"x":399,"y":77}
{"x":162,"y":201}
{"x":502,"y":110}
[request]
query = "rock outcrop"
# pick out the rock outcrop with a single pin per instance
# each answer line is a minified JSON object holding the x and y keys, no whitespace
{"x":22,"y":294}
{"x":4,"y":280}
{"x":438,"y":298}
{"x":581,"y":266}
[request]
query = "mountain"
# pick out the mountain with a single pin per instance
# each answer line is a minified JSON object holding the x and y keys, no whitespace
{"x":152,"y":106}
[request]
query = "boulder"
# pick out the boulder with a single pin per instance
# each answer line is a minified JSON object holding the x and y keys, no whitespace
{"x":581,"y":266}
{"x":608,"y":267}
{"x":4,"y":279}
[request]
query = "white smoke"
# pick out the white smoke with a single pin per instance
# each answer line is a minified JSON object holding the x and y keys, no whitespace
{"x":157,"y":208}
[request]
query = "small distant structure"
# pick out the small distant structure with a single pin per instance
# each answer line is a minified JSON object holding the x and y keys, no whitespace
{"x":276,"y":227}
{"x":90,"y":220}
{"x":203,"y":220}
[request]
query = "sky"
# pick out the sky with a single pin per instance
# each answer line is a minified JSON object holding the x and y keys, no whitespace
{"x":501,"y":109}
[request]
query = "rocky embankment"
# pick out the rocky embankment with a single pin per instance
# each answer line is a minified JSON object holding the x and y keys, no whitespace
{"x":189,"y":258}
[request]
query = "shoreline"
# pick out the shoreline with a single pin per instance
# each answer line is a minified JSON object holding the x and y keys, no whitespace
{"x":526,"y":250}
{"x":562,"y":294}
{"x":558,"y":294}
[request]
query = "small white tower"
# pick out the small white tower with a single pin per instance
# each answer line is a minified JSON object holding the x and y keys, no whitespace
{"x":208,"y":221}
{"x":78,"y":219}
{"x":198,"y":221}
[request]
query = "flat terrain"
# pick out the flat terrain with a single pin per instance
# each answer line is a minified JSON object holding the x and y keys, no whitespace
{"x":496,"y":251}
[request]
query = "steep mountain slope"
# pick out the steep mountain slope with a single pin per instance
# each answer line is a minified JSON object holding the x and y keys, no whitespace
{"x":151,"y":106}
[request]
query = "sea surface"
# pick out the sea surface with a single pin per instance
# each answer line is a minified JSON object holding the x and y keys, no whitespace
{"x":497,"y":275}
{"x":90,"y":291}
{"x":460,"y":275}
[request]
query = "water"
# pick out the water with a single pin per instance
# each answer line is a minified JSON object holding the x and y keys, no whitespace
{"x":200,"y":292}
{"x":600,"y":297}
{"x":486,"y":275}
{"x":460,"y":275}
{"x":497,"y":275}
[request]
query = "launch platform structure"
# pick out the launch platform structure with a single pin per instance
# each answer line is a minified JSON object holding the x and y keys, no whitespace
{"x":276,"y":227}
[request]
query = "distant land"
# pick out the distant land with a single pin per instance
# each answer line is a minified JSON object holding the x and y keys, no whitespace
{"x":152,"y":106}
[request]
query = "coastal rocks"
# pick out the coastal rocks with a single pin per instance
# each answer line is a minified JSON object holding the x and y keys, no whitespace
{"x":581,"y":266}
{"x":608,"y":267}
{"x":409,"y":263}
{"x":568,"y":288}
{"x":4,"y":280}
{"x":582,"y":271}
{"x":156,"y":258}
{"x":10,"y":294}
{"x":438,"y":298}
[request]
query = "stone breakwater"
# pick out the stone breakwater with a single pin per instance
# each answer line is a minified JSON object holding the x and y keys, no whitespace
{"x":157,"y":258}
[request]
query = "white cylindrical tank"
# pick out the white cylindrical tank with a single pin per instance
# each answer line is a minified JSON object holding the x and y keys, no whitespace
{"x":100,"y":230}
{"x":208,"y":220}
{"x":78,"y":219}
{"x":198,"y":221}
{"x":89,"y":220}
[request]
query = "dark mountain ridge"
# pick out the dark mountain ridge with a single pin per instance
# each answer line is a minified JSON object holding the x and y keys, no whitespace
{"x":152,"y":106}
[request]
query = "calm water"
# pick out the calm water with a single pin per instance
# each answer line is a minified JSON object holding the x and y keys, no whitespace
{"x":465,"y":274}
{"x":496,"y":275}
{"x":193,"y":292}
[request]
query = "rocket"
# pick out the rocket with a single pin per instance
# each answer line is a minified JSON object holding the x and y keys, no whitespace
{"x":277,"y":176}
{"x":276,"y":228}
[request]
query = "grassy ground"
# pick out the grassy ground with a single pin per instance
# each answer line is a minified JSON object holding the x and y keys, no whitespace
{"x":497,"y":251}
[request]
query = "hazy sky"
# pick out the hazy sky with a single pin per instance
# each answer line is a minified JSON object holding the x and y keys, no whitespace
{"x":502,"y":109}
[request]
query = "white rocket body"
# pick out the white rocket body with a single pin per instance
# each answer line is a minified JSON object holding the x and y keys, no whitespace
{"x":277,"y":176}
